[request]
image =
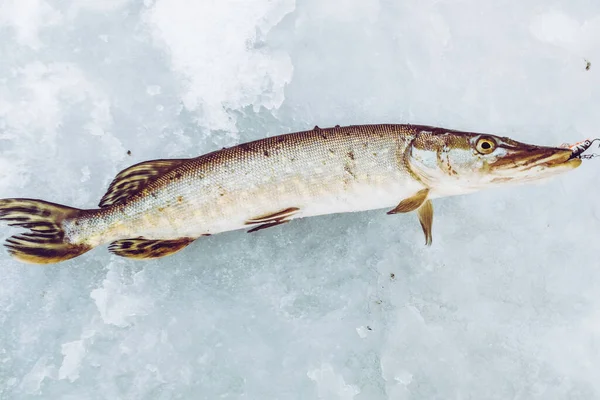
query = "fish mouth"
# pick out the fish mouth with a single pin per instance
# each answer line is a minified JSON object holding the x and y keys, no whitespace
{"x":563,"y":158}
{"x":536,"y":157}
{"x":559,"y":156}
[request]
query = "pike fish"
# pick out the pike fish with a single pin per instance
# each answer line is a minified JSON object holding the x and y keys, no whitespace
{"x":156,"y":208}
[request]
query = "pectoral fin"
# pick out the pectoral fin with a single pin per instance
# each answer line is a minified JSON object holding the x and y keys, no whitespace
{"x":412,"y":203}
{"x":425,"y":213}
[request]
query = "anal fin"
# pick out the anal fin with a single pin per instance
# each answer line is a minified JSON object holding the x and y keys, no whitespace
{"x":143,"y":248}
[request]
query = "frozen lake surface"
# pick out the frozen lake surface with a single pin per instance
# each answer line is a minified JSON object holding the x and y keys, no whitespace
{"x":504,"y":305}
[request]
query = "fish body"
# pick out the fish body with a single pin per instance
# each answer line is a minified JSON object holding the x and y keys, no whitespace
{"x":158,"y":207}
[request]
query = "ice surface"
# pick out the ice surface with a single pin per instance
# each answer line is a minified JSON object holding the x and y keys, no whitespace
{"x":505,"y":303}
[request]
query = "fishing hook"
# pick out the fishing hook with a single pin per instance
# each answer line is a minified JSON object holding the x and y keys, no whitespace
{"x":579,"y":148}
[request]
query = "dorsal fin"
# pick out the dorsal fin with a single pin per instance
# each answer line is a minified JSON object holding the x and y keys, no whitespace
{"x":133,"y":179}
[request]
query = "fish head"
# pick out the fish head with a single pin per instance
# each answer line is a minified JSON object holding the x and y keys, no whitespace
{"x":451,"y":162}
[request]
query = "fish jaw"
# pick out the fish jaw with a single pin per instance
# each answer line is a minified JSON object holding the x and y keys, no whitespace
{"x":537,"y":165}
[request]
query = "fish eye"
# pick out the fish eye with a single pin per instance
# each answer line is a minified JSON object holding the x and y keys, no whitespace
{"x":485,"y":145}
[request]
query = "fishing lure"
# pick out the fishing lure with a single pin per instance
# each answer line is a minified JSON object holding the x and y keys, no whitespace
{"x":580,"y":147}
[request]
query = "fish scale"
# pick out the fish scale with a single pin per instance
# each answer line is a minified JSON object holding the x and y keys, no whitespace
{"x":321,"y":171}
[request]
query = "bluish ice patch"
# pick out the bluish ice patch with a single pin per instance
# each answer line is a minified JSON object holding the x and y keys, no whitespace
{"x":503,"y":305}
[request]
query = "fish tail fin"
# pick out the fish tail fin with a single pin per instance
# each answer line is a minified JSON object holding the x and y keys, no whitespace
{"x":46,"y":241}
